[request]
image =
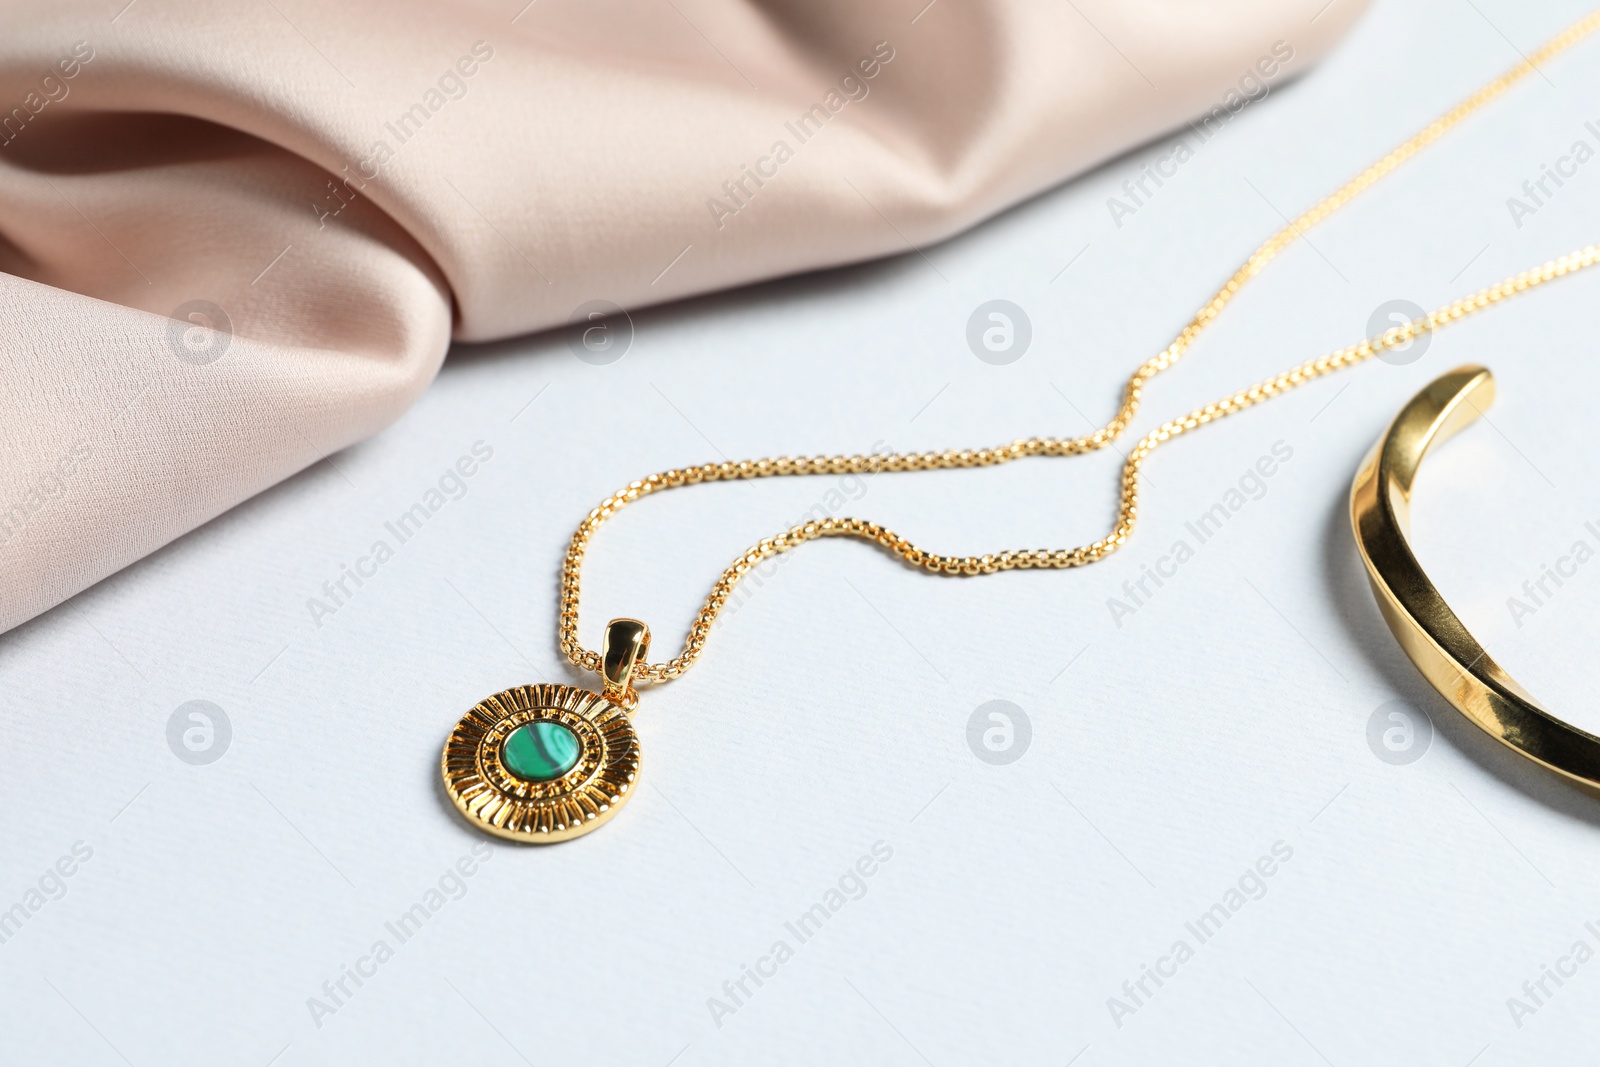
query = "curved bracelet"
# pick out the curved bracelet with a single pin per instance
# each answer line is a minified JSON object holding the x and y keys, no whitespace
{"x":1431,"y":634}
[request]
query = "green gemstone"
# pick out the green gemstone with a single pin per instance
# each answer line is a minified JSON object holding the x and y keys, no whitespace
{"x":541,"y":751}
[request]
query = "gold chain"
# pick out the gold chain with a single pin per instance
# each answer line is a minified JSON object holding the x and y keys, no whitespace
{"x":1127,"y":512}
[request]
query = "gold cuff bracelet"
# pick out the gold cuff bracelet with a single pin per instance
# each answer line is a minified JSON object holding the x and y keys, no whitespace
{"x":1448,"y":656}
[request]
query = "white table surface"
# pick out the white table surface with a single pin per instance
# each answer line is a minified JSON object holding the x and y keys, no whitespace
{"x":1226,"y":716}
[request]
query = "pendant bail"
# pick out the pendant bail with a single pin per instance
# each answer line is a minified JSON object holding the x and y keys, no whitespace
{"x":626,"y":645}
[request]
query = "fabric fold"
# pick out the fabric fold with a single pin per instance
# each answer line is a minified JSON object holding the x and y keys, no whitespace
{"x":237,"y":239}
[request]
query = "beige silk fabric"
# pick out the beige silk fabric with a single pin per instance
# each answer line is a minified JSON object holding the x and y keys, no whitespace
{"x":326,"y":194}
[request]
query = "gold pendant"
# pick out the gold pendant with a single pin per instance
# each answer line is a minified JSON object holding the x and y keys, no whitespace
{"x":546,"y":763}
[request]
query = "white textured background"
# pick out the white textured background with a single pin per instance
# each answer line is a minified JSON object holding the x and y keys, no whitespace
{"x":1227,"y":714}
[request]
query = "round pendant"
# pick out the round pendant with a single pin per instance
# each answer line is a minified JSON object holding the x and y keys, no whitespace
{"x":541,"y":763}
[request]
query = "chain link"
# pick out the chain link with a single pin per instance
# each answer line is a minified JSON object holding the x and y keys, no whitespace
{"x":1133,"y":395}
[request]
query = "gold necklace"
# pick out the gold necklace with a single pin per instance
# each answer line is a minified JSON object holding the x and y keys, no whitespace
{"x":545,"y":763}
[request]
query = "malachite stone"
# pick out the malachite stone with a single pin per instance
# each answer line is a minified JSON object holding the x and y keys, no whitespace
{"x":541,"y":751}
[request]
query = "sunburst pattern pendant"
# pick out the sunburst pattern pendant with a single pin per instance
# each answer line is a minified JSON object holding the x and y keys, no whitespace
{"x":547,"y":763}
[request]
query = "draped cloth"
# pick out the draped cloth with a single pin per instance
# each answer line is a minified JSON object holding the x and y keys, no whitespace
{"x":236,"y":238}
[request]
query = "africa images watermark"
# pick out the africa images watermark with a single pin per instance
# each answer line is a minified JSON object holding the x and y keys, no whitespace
{"x":1253,"y":85}
{"x":1251,"y":486}
{"x":50,"y":886}
{"x":52,"y":88}
{"x":999,"y":732}
{"x":1251,"y":885}
{"x":852,"y":88}
{"x":1552,"y":177}
{"x":999,"y":332}
{"x":1537,"y":592}
{"x":452,"y":485}
{"x":1399,"y":732}
{"x":449,"y":86}
{"x":851,"y":885}
{"x":846,"y":489}
{"x":48,"y":488}
{"x":199,"y":732}
{"x":451,"y":885}
{"x":1537,"y":992}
